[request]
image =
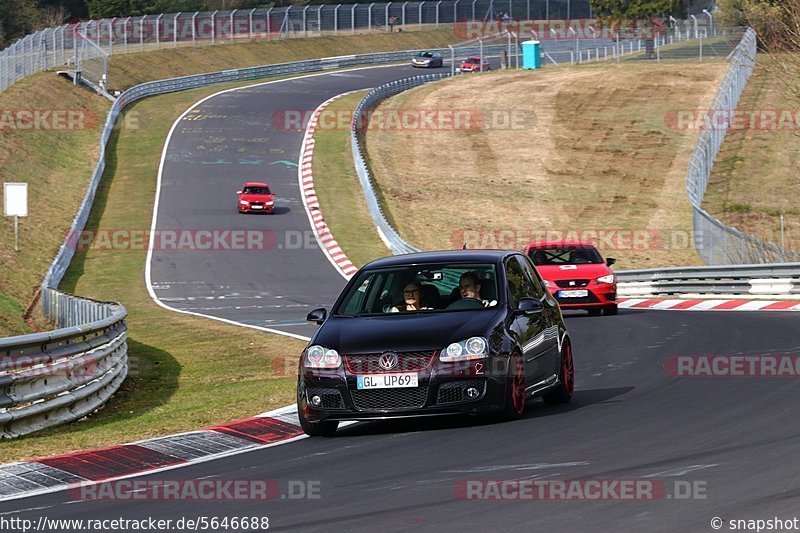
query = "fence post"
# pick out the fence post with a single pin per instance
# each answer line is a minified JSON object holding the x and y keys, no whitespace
{"x":305,"y":22}
{"x":369,"y":16}
{"x":419,"y":14}
{"x":250,"y":22}
{"x":175,"y":30}
{"x":194,"y":29}
{"x":404,"y":12}
{"x":437,"y":13}
{"x":158,"y":32}
{"x":232,"y":29}
{"x":213,"y":27}
{"x":269,"y":23}
{"x":353,"y":19}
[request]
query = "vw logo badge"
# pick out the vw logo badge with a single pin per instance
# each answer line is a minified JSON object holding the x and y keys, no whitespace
{"x":388,"y":360}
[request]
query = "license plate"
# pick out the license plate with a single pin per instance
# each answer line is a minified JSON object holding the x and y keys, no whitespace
{"x":387,"y":381}
{"x":256,"y":207}
{"x":580,"y":293}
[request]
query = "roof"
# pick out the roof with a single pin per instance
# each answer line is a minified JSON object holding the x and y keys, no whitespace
{"x":487,"y":256}
{"x":545,"y":244}
{"x":255,"y":184}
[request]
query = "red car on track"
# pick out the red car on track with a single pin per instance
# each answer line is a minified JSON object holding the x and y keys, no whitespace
{"x":256,"y":197}
{"x":576,"y":275}
{"x":473,"y":64}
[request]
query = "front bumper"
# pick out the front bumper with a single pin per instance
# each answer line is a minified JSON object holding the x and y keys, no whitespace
{"x":439,"y":392}
{"x":250,"y":209}
{"x":600,"y":295}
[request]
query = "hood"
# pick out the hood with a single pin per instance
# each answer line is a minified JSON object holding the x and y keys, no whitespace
{"x":258,"y":197}
{"x":584,"y":271}
{"x":404,"y":332}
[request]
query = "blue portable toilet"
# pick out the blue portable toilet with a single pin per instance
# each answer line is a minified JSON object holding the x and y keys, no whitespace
{"x":531,"y":55}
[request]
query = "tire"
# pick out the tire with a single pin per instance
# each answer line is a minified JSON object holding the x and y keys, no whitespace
{"x":595,"y":312}
{"x":515,"y":389}
{"x":566,"y":378}
{"x":612,"y":310}
{"x":313,"y":429}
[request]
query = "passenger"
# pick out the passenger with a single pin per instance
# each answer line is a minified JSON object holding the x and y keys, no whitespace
{"x":412,"y":299}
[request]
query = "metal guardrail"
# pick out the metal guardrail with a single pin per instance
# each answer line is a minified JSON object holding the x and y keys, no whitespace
{"x":774,"y":280}
{"x":59,"y":376}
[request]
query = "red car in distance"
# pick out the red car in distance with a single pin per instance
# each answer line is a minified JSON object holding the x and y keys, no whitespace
{"x":256,"y":197}
{"x":473,"y":64}
{"x":576,"y":275}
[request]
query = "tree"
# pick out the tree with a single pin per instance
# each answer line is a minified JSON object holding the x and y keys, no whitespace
{"x":19,"y":18}
{"x":644,"y":17}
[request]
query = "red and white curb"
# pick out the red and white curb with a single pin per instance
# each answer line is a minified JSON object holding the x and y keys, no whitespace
{"x":52,"y":474}
{"x":323,"y":233}
{"x":708,"y":305}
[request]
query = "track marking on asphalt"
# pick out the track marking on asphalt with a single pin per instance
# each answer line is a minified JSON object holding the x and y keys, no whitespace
{"x":532,"y":466}
{"x":680,"y":471}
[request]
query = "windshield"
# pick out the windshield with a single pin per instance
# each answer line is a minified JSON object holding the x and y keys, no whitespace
{"x":256,"y":190}
{"x":427,"y":288}
{"x":473,"y":60}
{"x":565,"y":255}
{"x":425,"y":54}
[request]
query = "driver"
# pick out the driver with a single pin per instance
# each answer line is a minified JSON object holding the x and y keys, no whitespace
{"x":469,"y":285}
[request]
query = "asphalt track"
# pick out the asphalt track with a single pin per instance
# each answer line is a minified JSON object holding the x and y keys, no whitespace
{"x":244,"y":135}
{"x":735,"y":437}
{"x":732,"y":439}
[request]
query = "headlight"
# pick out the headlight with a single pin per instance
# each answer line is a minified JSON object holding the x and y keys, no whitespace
{"x":546,"y":283}
{"x":606,"y":279}
{"x":320,"y":357}
{"x":244,"y":202}
{"x":472,"y":348}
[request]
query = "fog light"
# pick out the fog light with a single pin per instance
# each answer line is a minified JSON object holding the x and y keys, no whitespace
{"x":472,"y":392}
{"x":316,"y":400}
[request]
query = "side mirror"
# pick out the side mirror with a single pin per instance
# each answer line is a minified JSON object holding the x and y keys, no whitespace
{"x":317,"y":315}
{"x":530,"y":306}
{"x":238,"y":192}
{"x":610,"y":261}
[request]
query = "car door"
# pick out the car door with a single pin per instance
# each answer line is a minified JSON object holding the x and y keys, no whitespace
{"x":526,"y":329}
{"x":549,"y":319}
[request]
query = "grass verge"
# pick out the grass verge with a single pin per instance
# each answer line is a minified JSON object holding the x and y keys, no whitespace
{"x":55,"y":158}
{"x":756,"y":177}
{"x":589,"y":150}
{"x":337,"y":186}
{"x":186,"y":372}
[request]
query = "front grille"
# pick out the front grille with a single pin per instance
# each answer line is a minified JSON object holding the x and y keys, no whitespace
{"x":406,"y":362}
{"x":569,"y":283}
{"x":387,"y":399}
{"x":591,"y":299}
{"x":455,"y":391}
{"x":331,"y":398}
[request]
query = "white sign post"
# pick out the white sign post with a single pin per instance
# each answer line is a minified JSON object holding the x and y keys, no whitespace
{"x":15,"y":204}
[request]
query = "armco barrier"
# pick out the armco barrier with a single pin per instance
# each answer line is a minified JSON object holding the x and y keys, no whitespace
{"x":59,"y":376}
{"x":780,"y":280}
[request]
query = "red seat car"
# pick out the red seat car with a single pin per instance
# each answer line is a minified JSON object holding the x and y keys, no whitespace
{"x":473,"y":64}
{"x":576,"y":275}
{"x":256,"y":198}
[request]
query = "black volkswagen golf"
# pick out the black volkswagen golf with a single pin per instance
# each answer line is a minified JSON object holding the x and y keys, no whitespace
{"x":435,"y":333}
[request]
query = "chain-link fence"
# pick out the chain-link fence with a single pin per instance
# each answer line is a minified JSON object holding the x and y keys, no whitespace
{"x":716,"y":242}
{"x":56,"y":47}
